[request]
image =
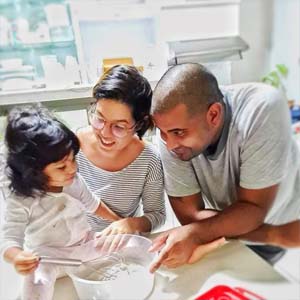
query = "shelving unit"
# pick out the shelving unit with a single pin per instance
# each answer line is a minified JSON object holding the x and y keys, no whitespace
{"x":141,"y":29}
{"x":31,"y":38}
{"x":35,"y":46}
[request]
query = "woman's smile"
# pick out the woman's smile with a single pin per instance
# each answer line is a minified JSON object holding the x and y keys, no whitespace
{"x":105,"y":142}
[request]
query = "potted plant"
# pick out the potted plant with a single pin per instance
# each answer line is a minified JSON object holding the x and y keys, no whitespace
{"x":277,"y":76}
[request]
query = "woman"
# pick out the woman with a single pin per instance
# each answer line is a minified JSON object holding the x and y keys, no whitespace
{"x":118,"y":166}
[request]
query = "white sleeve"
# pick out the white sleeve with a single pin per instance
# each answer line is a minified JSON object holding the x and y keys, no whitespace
{"x":16,"y":218}
{"x":79,"y":190}
{"x":180,"y":177}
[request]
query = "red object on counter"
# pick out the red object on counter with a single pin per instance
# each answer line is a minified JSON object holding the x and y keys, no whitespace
{"x":224,"y":292}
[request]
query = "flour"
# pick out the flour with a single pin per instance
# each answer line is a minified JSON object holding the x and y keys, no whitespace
{"x":119,"y":271}
{"x":114,"y":277}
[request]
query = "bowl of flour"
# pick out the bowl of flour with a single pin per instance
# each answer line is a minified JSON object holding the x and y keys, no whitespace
{"x":120,"y":272}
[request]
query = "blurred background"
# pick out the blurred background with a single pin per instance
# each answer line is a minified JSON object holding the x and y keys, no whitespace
{"x":55,"y":50}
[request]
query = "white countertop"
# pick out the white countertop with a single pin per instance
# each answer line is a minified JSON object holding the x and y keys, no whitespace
{"x":234,"y":264}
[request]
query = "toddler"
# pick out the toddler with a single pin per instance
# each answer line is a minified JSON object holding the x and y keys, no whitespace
{"x":46,"y":209}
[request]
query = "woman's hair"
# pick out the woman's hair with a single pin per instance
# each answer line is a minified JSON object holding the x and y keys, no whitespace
{"x":34,"y":139}
{"x":125,"y":84}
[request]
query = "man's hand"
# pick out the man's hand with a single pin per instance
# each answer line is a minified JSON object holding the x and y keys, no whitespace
{"x":176,"y":246}
{"x":25,"y":262}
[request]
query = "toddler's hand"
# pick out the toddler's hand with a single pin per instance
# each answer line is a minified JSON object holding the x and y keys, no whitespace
{"x":26,"y":262}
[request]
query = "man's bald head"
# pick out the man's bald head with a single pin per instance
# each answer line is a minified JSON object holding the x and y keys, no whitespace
{"x":191,"y":84}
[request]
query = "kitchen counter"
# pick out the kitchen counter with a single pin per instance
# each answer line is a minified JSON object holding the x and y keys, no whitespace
{"x":233,"y":264}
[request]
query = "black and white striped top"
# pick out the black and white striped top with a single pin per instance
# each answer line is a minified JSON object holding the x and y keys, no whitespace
{"x":133,"y":191}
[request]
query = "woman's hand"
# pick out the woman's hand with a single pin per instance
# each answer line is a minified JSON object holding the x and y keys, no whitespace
{"x":128,"y":225}
{"x":25,"y":262}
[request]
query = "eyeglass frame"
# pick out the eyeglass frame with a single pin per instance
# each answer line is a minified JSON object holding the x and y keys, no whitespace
{"x":92,"y":111}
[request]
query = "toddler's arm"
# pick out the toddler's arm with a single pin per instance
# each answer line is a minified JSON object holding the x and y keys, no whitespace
{"x":92,"y":203}
{"x":105,"y":212}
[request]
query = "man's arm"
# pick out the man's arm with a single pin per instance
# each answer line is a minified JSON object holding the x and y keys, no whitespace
{"x":187,"y":208}
{"x":246,"y":215}
{"x":285,"y":235}
{"x":177,"y":245}
{"x":190,"y":209}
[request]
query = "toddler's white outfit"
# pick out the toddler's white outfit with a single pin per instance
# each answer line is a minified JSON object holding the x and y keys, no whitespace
{"x":50,"y":225}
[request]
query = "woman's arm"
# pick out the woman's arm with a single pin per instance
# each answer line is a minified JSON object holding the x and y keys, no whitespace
{"x":153,"y":194}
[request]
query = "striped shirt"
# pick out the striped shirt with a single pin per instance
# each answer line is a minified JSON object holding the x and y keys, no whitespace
{"x":136,"y":190}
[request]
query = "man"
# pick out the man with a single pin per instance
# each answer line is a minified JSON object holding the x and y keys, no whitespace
{"x":231,"y":165}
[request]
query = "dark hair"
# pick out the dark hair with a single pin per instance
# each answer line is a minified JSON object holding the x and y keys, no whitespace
{"x":126,"y":84}
{"x":34,"y":139}
{"x":191,"y":84}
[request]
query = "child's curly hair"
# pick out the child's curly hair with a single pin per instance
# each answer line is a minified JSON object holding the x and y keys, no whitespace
{"x":34,"y":138}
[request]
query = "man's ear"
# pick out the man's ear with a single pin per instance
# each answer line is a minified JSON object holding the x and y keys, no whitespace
{"x":214,"y":114}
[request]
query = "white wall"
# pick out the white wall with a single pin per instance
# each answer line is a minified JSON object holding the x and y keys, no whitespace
{"x":256,"y":18}
{"x":272,"y":29}
{"x":285,"y":47}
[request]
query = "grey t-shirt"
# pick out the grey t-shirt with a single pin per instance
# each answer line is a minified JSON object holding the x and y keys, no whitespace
{"x":256,"y":150}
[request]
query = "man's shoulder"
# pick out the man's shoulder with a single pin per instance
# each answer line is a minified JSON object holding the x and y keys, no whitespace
{"x":257,"y":90}
{"x":254,"y":100}
{"x":247,"y":85}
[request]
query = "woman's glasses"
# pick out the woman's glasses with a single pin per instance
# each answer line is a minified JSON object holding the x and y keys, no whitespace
{"x":118,"y":129}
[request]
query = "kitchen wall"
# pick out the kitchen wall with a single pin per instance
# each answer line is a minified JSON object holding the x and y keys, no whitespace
{"x":285,"y":47}
{"x":272,"y":29}
{"x":256,"y":21}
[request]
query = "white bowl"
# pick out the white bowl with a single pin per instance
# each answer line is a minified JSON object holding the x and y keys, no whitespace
{"x":121,"y":272}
